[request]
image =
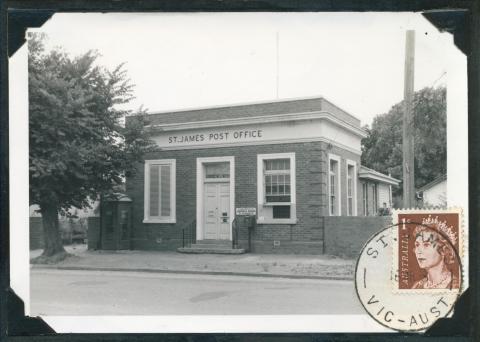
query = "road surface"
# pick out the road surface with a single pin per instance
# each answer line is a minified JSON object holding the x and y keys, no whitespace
{"x":64,"y":292}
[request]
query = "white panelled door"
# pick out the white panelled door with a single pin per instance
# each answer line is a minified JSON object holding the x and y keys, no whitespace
{"x":217,"y":211}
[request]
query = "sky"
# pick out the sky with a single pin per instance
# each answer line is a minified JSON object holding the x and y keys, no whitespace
{"x":189,"y":60}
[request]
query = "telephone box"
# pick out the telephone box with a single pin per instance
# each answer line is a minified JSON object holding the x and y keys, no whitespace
{"x":116,"y":222}
{"x":246,"y":217}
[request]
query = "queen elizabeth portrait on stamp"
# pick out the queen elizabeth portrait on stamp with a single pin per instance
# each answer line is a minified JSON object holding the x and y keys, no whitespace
{"x":428,"y":249}
{"x":435,"y":255}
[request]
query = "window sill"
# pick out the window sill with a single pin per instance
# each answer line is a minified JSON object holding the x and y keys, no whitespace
{"x":171,"y":220}
{"x":216,"y":180}
{"x":277,"y":221}
{"x":272,"y":204}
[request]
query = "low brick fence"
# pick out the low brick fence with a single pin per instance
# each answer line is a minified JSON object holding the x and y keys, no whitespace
{"x":346,"y":235}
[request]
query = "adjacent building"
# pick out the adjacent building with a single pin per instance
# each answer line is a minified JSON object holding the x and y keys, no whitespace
{"x":376,"y":192}
{"x":434,"y":194}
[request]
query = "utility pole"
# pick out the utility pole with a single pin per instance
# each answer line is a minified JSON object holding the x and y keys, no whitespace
{"x":277,"y":43}
{"x":408,"y":127}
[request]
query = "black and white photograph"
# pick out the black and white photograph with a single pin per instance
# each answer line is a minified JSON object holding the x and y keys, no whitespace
{"x":222,"y":172}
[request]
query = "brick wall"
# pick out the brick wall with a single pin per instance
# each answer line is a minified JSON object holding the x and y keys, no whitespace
{"x":345,"y":236}
{"x":311,"y":181}
{"x":36,"y":233}
{"x":283,"y":247}
{"x":252,"y":110}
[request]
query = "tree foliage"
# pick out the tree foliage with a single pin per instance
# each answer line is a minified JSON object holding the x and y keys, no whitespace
{"x":78,"y":145}
{"x":382,"y":148}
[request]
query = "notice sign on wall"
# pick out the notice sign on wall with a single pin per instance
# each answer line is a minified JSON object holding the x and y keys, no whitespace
{"x":246,"y":211}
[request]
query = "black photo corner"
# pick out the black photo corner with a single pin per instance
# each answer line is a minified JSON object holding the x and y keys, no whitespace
{"x":460,"y":18}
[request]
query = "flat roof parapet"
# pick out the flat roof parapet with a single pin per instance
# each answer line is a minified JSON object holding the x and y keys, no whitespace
{"x":277,"y":107}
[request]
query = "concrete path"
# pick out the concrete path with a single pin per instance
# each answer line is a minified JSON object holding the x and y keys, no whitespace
{"x":277,"y":265}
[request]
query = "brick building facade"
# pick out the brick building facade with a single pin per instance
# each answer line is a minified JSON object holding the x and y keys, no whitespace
{"x":295,"y":162}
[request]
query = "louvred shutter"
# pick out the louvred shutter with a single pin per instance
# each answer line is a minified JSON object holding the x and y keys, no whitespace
{"x":154,"y":190}
{"x":165,"y":190}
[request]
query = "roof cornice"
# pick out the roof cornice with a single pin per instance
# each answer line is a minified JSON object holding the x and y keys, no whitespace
{"x":318,"y":115}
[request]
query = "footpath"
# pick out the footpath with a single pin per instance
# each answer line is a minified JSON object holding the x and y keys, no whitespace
{"x":264,"y":265}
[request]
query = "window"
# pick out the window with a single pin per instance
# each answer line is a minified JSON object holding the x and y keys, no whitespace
{"x":375,"y":199}
{"x":277,"y":180}
{"x":351,"y":188}
{"x":334,"y":185}
{"x":276,"y":188}
{"x":365,"y":198}
{"x":217,"y":170}
{"x":160,"y":191}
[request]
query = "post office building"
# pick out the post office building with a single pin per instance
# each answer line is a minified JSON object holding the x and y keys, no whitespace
{"x":259,"y":177}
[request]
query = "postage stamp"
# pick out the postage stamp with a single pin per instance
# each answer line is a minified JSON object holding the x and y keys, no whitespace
{"x":410,"y":274}
{"x":428,"y":248}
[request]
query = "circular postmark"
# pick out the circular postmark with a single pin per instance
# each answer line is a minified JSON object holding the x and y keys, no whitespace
{"x":403,"y":277}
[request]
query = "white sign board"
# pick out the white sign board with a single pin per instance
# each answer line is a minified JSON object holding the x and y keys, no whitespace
{"x":246,"y":211}
{"x":274,"y":132}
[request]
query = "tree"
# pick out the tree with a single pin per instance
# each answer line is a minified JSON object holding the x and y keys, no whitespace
{"x":382,"y":148}
{"x":78,"y":146}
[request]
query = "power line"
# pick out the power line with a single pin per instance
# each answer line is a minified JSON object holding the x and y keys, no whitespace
{"x":443,"y":74}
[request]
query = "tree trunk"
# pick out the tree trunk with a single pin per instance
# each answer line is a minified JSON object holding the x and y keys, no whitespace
{"x":51,"y":231}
